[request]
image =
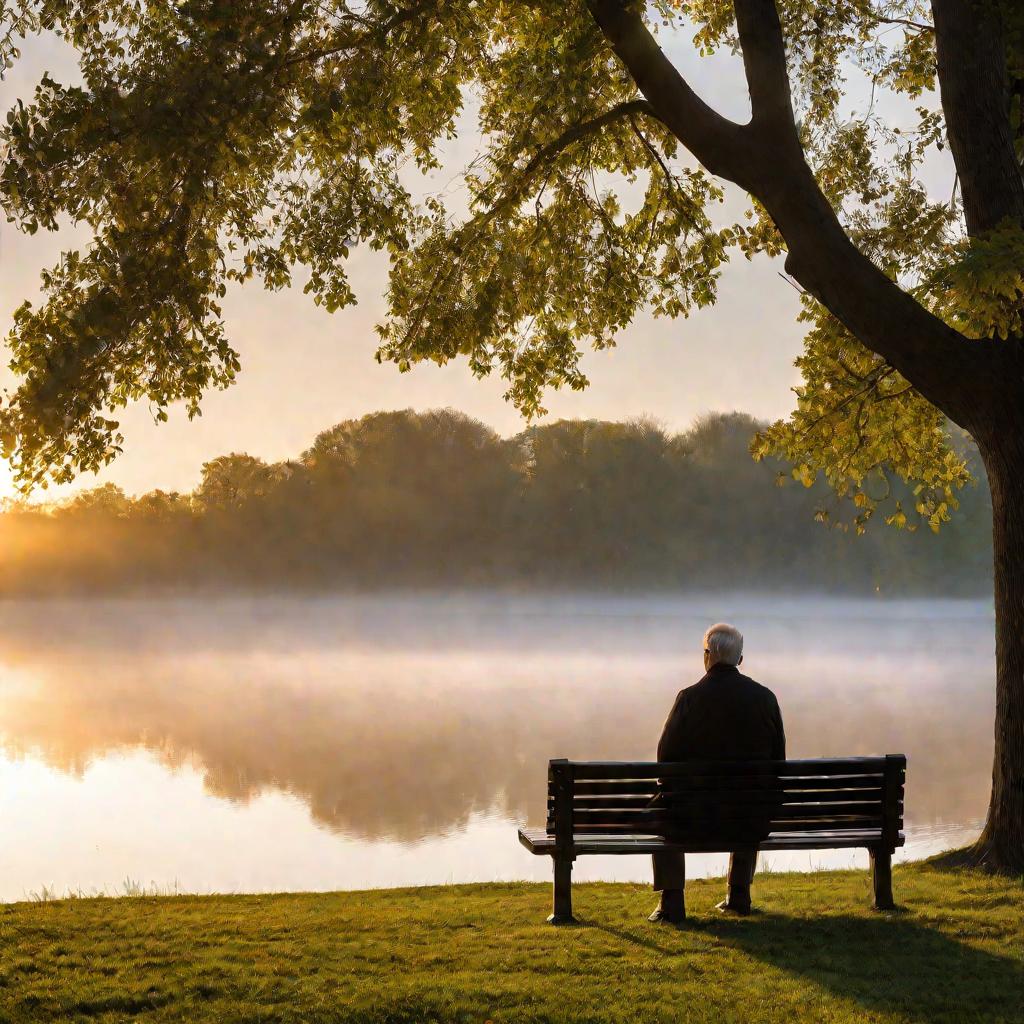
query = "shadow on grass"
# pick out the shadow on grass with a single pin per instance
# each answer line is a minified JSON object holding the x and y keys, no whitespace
{"x":886,"y":964}
{"x":644,"y":936}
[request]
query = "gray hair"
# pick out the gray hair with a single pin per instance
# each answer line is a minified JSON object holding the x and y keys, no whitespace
{"x":724,"y":643}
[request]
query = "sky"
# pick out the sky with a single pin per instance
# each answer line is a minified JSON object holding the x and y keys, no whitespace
{"x":304,"y":369}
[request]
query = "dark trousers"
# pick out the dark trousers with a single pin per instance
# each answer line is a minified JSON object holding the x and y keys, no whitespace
{"x":670,"y":869}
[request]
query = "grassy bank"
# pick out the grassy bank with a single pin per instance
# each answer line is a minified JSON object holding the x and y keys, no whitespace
{"x":477,"y":953}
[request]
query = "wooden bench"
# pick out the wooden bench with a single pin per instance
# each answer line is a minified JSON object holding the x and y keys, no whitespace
{"x":602,"y":807}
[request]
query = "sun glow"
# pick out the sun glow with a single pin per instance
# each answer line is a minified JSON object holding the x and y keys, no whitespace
{"x":7,"y":488}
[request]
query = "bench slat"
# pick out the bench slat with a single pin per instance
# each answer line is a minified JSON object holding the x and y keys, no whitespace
{"x":725,"y":812}
{"x":752,"y":798}
{"x":727,"y":770}
{"x":641,"y":786}
{"x":816,"y":827}
{"x":600,"y":802}
{"x":539,"y":842}
{"x":612,"y":786}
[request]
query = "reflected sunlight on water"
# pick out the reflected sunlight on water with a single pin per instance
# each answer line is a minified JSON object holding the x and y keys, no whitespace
{"x":257,"y":745}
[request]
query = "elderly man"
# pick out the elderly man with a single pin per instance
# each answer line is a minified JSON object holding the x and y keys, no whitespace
{"x":726,"y":716}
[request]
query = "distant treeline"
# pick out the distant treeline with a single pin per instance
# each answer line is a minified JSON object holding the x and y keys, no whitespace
{"x":439,"y":499}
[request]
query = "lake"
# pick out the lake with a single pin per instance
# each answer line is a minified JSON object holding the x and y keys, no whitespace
{"x":264,"y":744}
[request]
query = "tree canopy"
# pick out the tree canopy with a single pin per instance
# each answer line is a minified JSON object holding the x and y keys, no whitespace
{"x":213,"y":142}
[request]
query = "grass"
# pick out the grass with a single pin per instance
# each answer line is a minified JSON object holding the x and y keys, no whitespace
{"x":478,"y":953}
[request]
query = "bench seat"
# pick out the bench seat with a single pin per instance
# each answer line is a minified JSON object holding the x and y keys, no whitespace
{"x":539,"y":841}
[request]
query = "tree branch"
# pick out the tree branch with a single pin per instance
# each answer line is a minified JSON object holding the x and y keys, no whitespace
{"x":670,"y":179}
{"x":549,"y":153}
{"x":970,"y":47}
{"x":764,"y":61}
{"x":948,"y":369}
{"x":872,"y":384}
{"x":718,"y":143}
{"x":917,"y":26}
{"x":464,"y":238}
{"x":374,"y":34}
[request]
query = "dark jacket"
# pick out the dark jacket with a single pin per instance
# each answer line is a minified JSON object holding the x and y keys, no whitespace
{"x":724,"y":717}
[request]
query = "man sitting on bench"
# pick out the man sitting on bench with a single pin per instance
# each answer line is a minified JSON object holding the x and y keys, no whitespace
{"x":726,"y":716}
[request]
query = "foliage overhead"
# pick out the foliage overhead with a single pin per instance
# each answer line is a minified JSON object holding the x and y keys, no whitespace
{"x":213,"y":142}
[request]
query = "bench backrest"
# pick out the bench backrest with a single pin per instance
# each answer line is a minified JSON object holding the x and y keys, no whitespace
{"x":809,"y":796}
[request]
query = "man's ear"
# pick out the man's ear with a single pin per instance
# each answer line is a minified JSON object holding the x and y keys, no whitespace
{"x":740,"y":662}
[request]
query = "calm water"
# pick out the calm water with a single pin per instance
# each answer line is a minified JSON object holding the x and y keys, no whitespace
{"x":244,"y":745}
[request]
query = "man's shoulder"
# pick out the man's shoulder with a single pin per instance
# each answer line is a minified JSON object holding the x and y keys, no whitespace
{"x":759,"y":688}
{"x":702,"y":684}
{"x":708,"y":682}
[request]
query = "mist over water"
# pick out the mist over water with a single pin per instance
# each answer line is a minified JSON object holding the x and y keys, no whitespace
{"x":349,"y":742}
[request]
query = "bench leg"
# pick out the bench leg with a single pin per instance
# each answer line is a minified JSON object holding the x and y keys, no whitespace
{"x":563,"y":892}
{"x":881,"y":878}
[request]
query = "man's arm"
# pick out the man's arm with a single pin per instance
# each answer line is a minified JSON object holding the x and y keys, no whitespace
{"x":779,"y":739}
{"x":671,"y":736}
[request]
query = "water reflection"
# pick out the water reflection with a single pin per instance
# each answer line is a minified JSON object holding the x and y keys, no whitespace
{"x":405,"y":719}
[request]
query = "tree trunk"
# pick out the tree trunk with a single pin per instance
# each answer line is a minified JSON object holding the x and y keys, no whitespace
{"x":1001,"y":846}
{"x":970,"y":49}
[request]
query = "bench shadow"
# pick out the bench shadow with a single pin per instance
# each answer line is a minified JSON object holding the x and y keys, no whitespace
{"x":635,"y":936}
{"x":888,"y":964}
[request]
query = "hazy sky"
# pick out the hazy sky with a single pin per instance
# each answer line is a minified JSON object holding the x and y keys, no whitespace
{"x":304,"y":369}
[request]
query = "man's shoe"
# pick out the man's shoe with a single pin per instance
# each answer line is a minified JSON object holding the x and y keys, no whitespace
{"x":660,"y":917}
{"x":671,"y":909}
{"x":728,"y":907}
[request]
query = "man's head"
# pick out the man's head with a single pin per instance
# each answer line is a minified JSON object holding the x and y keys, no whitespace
{"x":723,"y":645}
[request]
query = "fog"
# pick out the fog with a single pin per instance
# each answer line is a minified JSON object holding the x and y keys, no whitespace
{"x":351,"y":741}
